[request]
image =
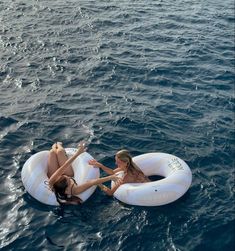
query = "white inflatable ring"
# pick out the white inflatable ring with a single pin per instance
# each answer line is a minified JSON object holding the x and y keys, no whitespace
{"x":178,"y":178}
{"x":35,"y":180}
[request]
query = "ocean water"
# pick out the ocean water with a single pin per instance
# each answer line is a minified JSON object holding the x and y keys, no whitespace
{"x":149,"y":76}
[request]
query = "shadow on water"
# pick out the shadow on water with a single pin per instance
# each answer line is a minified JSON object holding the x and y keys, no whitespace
{"x":36,"y":204}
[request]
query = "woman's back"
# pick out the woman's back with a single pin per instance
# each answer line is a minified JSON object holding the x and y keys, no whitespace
{"x":135,"y":176}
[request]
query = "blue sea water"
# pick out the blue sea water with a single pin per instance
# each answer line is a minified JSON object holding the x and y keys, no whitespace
{"x":149,"y":76}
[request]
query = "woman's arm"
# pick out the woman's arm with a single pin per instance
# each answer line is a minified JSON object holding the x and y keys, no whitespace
{"x":62,"y":169}
{"x":111,"y":191}
{"x":106,"y":169}
{"x":81,"y":188}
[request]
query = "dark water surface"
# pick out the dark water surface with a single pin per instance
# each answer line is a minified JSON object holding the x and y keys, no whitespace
{"x":150,"y":76}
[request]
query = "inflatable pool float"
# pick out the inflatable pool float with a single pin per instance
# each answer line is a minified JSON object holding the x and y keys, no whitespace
{"x":177,"y":180}
{"x":35,"y":180}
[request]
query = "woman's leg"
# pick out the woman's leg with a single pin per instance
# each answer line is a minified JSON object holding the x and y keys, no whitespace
{"x":52,"y":163}
{"x":62,"y":158}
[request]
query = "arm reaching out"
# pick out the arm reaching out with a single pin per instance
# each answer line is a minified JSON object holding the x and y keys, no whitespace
{"x":81,"y":188}
{"x":106,"y":169}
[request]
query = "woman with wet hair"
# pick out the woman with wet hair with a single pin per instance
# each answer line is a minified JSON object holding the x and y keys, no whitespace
{"x":124,"y":162}
{"x":61,"y":174}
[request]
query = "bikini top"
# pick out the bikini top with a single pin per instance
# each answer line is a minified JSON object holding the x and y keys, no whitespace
{"x":69,"y":198}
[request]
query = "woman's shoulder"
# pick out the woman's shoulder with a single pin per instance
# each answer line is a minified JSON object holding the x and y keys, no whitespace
{"x":117,"y":170}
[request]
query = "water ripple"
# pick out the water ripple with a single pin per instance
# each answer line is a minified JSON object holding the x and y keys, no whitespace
{"x":147,"y":77}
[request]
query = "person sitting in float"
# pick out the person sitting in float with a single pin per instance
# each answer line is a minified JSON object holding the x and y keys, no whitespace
{"x":125,"y":164}
{"x":61,"y":174}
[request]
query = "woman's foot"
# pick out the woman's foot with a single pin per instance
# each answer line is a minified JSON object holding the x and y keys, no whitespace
{"x":54,"y":147}
{"x":59,"y":146}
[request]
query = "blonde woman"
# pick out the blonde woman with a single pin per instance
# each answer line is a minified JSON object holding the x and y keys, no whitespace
{"x":124,"y":162}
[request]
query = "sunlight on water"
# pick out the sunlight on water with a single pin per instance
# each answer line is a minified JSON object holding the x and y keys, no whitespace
{"x":155,"y":77}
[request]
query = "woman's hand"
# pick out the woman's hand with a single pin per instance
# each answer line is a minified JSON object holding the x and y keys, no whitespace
{"x":97,"y":164}
{"x":94,"y":163}
{"x":81,"y":147}
{"x":118,"y":181}
{"x":54,"y":147}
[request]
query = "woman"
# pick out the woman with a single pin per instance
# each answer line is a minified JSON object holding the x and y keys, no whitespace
{"x":124,"y":162}
{"x":60,"y":175}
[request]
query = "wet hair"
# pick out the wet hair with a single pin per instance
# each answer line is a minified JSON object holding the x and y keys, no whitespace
{"x":62,"y":198}
{"x":59,"y":188}
{"x":125,"y":156}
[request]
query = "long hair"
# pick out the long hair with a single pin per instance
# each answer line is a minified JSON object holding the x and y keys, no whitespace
{"x":125,"y":156}
{"x":62,"y":198}
{"x":59,"y":188}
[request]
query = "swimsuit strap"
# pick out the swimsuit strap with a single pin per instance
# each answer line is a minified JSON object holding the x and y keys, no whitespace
{"x":74,"y":182}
